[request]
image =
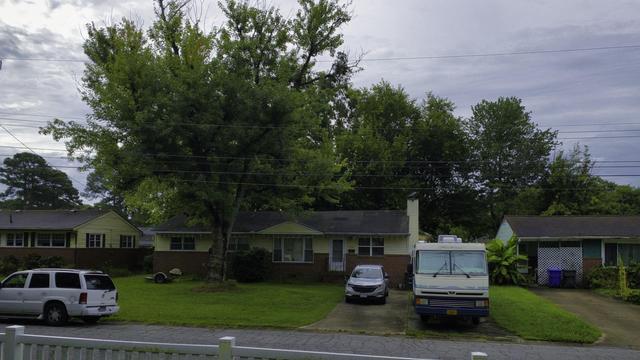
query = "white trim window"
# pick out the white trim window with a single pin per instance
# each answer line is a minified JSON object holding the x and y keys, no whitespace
{"x":371,"y":246}
{"x":15,"y":239}
{"x":127,"y":241}
{"x":94,"y":240}
{"x":293,"y":249}
{"x":50,"y":240}
{"x":239,"y":243}
{"x":182,"y":243}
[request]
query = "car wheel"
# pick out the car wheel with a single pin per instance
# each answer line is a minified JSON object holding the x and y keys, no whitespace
{"x":90,"y":319}
{"x":55,"y":314}
{"x":475,"y":320}
{"x":383,"y":300}
{"x":347,"y":300}
{"x":159,"y":278}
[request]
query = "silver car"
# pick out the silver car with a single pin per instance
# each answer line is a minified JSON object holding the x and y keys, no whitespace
{"x":367,"y":282}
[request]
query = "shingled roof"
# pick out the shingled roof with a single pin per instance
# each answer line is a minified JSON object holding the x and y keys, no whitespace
{"x":383,"y":222}
{"x":574,"y":226}
{"x":46,"y":219}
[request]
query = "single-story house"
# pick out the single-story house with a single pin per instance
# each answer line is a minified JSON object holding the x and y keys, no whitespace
{"x":576,"y":243}
{"x":64,"y":232}
{"x":312,"y":245}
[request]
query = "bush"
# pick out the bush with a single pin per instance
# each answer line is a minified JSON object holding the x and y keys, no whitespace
{"x":602,"y":277}
{"x":503,"y":262}
{"x":147,"y":263}
{"x":52,"y":262}
{"x":32,"y":261}
{"x":252,"y":266}
{"x":633,"y":276}
{"x":9,"y":264}
{"x":634,"y":296}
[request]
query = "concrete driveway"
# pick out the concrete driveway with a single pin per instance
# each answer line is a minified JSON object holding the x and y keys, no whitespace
{"x":368,"y":317}
{"x":619,"y":321}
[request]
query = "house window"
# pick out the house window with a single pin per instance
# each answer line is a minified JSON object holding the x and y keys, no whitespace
{"x":183,"y":243}
{"x":94,"y":240}
{"x":629,"y":253}
{"x":15,"y":239}
{"x":610,"y":254}
{"x":50,"y":240}
{"x":238,"y":244}
{"x":293,"y":249}
{"x":371,"y":246}
{"x":127,"y":241}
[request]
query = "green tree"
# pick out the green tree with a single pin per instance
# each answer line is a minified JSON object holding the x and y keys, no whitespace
{"x":510,"y":152}
{"x":208,"y":123}
{"x":33,"y":184}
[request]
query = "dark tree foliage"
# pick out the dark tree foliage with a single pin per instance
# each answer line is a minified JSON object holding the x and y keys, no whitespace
{"x":33,"y":184}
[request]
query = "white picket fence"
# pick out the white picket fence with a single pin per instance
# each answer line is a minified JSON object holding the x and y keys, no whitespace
{"x":16,"y":345}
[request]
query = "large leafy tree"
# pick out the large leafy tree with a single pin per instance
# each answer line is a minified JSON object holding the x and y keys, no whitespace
{"x":208,"y":123}
{"x":33,"y":184}
{"x":393,"y":145}
{"x":510,"y":152}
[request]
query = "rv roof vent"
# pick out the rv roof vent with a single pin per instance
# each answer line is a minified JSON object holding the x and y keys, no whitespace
{"x":449,"y":239}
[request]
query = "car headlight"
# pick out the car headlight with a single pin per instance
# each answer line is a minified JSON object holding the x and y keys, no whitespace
{"x":482,"y":303}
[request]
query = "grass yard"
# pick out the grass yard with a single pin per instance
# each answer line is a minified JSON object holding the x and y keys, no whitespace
{"x":247,"y":305}
{"x":534,"y":318}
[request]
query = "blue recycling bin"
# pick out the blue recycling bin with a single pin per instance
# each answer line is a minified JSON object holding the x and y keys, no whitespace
{"x":555,"y":277}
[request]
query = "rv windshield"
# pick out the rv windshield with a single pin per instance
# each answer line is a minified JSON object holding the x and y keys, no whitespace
{"x":456,"y":262}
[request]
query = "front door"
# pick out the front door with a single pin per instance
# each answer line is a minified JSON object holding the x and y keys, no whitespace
{"x":336,"y":257}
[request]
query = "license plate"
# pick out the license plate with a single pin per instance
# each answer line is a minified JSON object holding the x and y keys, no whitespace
{"x":363,"y":296}
{"x":102,"y":308}
{"x":452,"y":312}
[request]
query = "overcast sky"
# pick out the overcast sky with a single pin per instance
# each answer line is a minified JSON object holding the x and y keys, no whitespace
{"x":560,"y":89}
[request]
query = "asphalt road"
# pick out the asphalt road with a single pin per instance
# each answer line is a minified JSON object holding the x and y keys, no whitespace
{"x":334,"y":342}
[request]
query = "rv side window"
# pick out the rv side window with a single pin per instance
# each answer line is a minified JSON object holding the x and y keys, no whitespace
{"x":430,"y":262}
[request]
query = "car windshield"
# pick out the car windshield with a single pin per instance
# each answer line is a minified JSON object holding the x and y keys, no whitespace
{"x":457,"y":262}
{"x":367,"y":273}
{"x":99,"y":282}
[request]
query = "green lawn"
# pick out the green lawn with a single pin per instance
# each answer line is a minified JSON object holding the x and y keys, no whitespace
{"x":249,"y":305}
{"x":534,"y":318}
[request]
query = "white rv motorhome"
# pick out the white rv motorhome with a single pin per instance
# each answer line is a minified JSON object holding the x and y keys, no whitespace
{"x":450,"y":279}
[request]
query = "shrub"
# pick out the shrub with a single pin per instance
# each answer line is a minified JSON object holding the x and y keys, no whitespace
{"x":252,"y":266}
{"x":147,"y":263}
{"x":52,"y":262}
{"x":503,"y":262}
{"x":633,"y":276}
{"x":602,"y":277}
{"x":623,"y":287}
{"x":32,"y":261}
{"x":634,"y":296}
{"x":9,"y":264}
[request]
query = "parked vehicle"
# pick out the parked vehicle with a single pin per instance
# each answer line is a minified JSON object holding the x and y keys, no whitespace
{"x":55,"y":295}
{"x":450,"y":279}
{"x":367,"y":282}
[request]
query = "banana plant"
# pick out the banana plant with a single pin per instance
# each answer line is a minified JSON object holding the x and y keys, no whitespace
{"x":503,"y":262}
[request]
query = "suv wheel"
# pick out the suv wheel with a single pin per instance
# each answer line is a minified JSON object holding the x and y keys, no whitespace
{"x":55,"y":314}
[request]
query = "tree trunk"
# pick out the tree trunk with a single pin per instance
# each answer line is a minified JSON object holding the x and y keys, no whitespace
{"x":215,"y":265}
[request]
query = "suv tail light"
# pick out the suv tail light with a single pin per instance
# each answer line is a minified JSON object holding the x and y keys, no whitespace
{"x":83,"y":298}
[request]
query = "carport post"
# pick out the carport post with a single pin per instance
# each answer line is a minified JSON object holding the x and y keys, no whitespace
{"x":476,"y":355}
{"x":225,"y":348}
{"x":13,"y":348}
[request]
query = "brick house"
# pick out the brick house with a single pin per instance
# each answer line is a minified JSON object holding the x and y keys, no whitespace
{"x":576,"y":243}
{"x":314,"y":245}
{"x":84,"y":238}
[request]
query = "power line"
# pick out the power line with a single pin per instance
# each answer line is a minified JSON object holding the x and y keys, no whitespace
{"x":78,"y":182}
{"x":405,"y":58}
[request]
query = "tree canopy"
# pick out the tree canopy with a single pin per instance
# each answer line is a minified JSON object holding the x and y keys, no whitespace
{"x":33,"y":184}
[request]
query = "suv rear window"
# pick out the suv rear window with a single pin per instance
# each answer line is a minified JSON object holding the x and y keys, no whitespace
{"x":68,"y":280}
{"x":99,"y":282}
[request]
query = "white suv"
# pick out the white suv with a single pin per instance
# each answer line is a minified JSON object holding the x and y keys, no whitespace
{"x":55,"y":295}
